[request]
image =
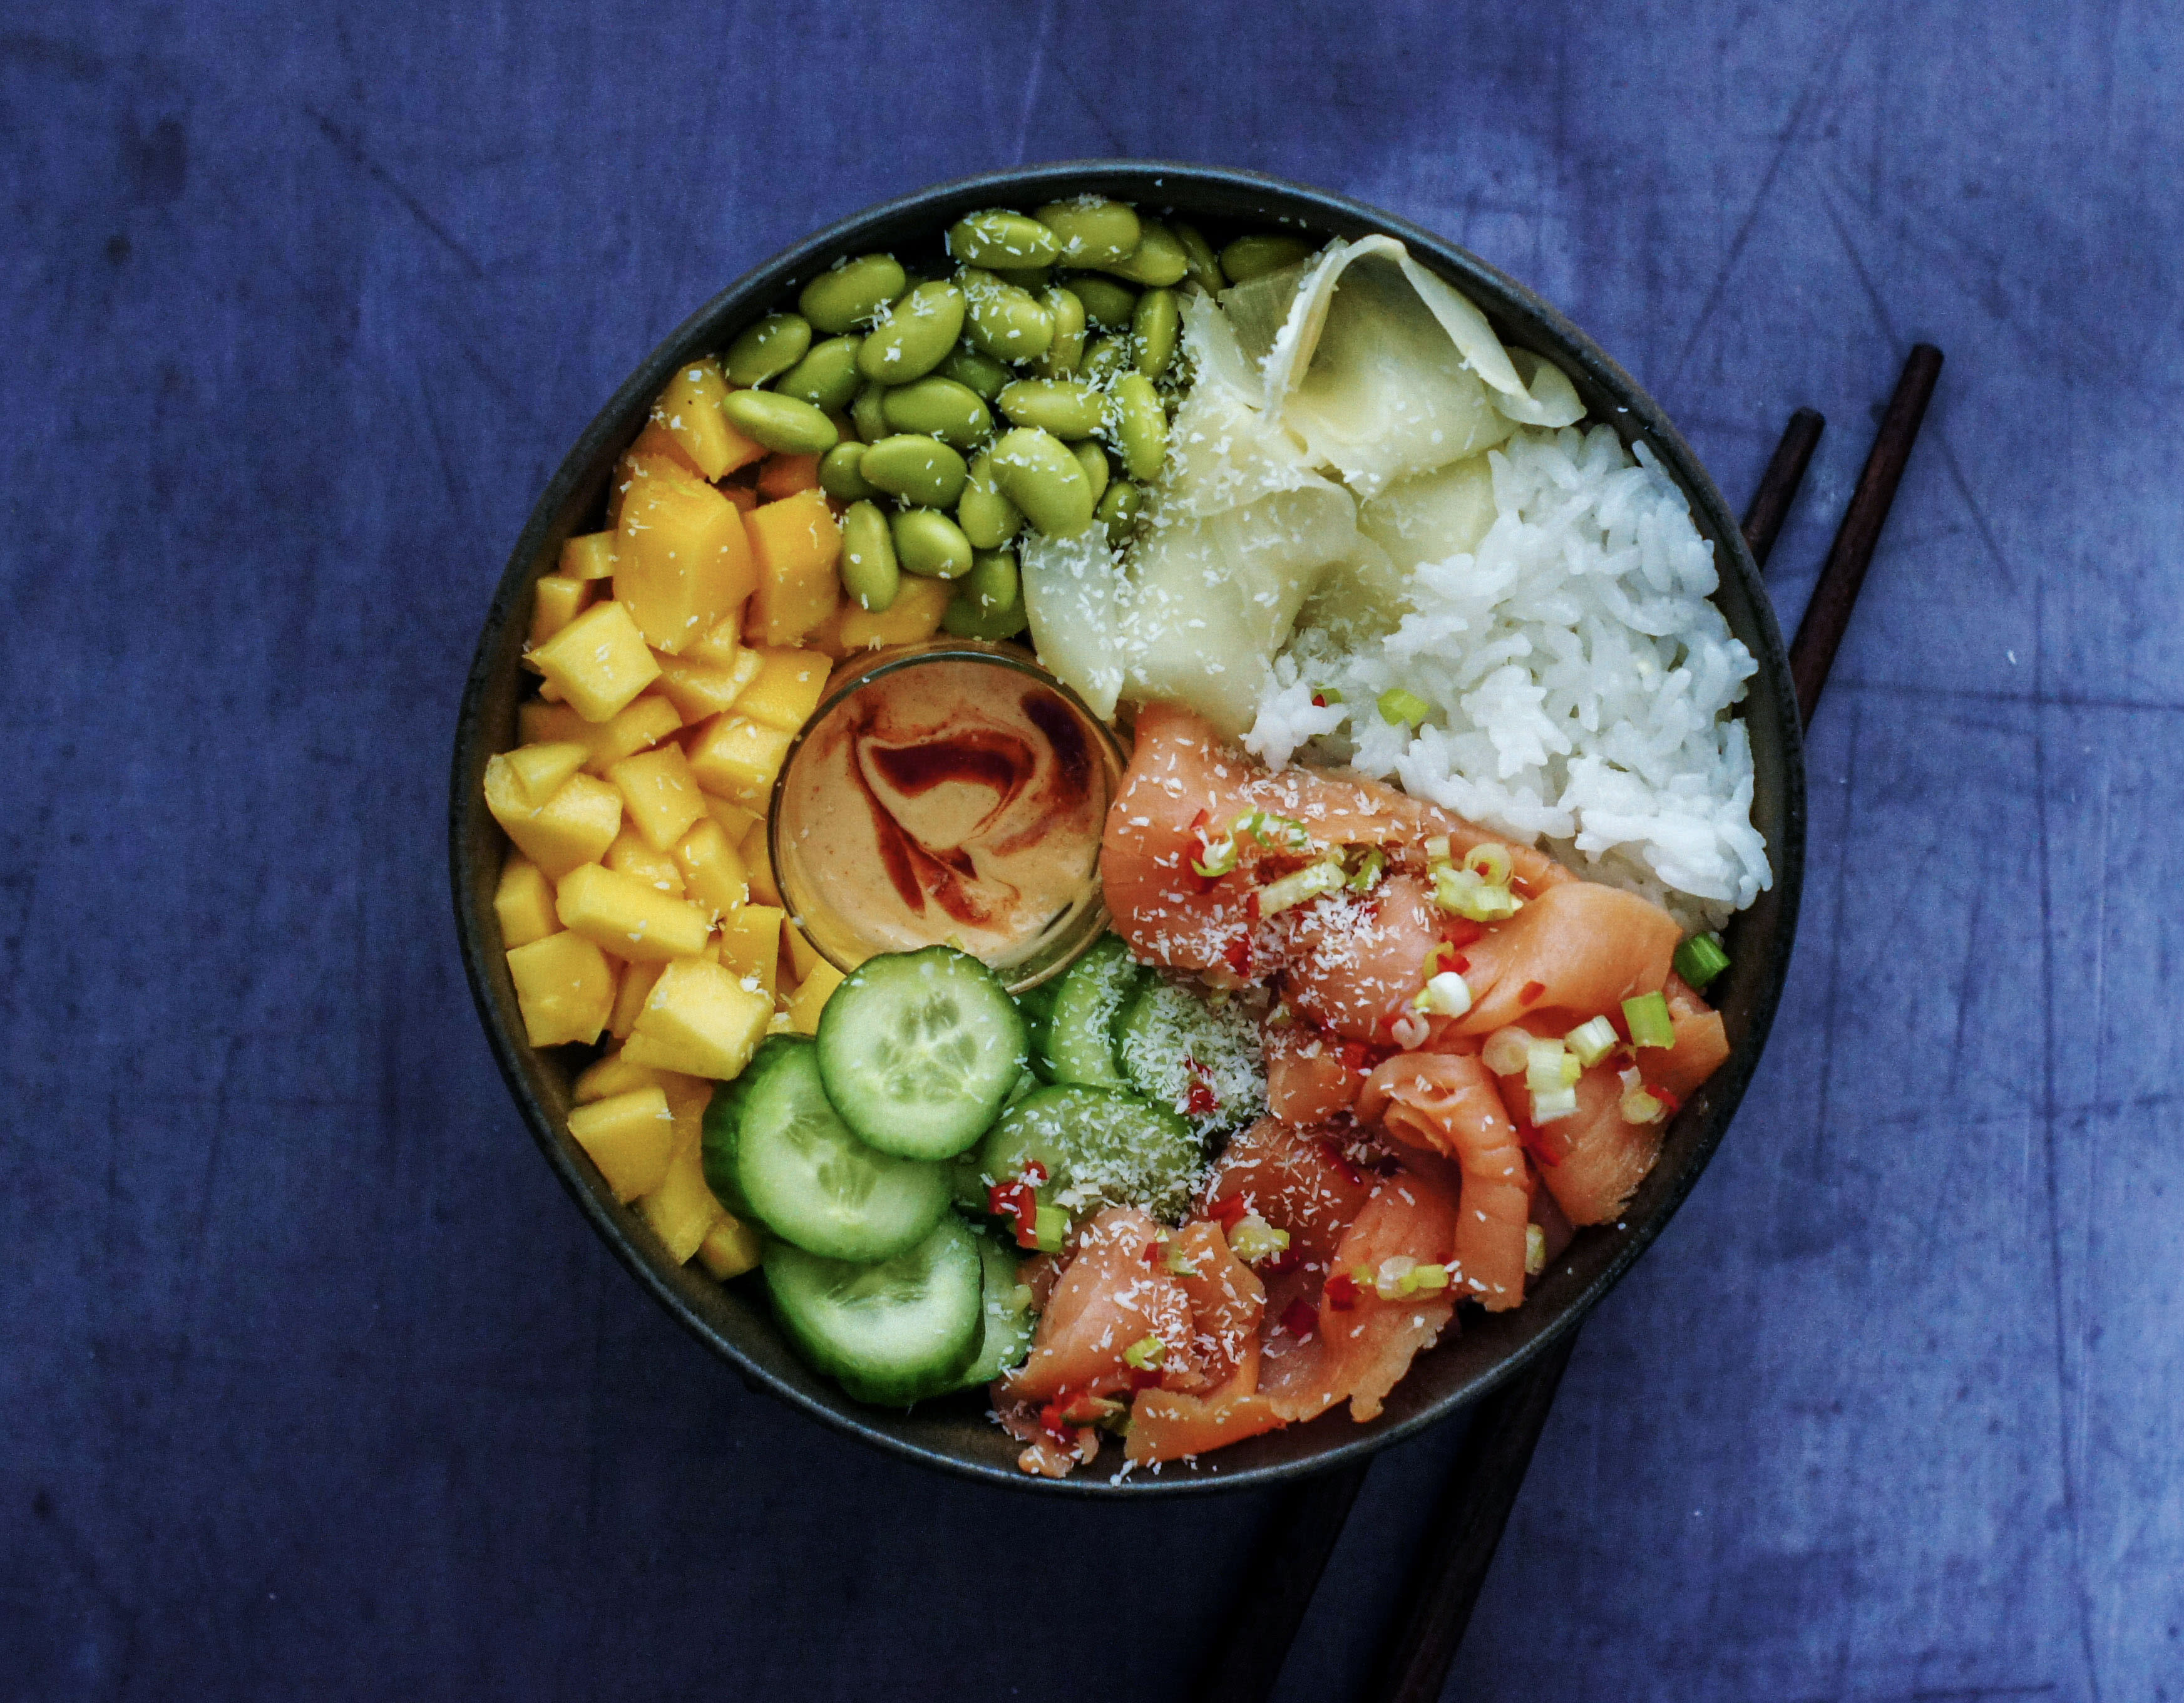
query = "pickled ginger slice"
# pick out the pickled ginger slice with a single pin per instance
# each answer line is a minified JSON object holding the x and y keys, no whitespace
{"x":1432,"y":516}
{"x":1075,"y":594}
{"x":1548,"y":399}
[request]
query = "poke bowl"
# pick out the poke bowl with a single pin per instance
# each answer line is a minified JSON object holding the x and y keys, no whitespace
{"x":628,"y":756}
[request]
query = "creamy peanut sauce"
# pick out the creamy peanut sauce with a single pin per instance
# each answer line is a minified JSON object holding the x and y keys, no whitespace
{"x":952,"y":802}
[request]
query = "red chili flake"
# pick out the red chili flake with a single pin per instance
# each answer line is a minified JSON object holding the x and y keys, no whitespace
{"x":1251,"y":904}
{"x":1153,"y":1253}
{"x":1287,"y":1260}
{"x":1530,"y":991}
{"x":1340,"y":1161}
{"x":1460,"y":964}
{"x":1299,"y":1319}
{"x":1144,"y":1377}
{"x":1200,"y":1101}
{"x":1357,"y":1056}
{"x":1054,"y":1417}
{"x":1016,"y":1200}
{"x":1462,"y":931}
{"x":1237,"y":954}
{"x":1229,"y":1213}
{"x":1342,"y":1292}
{"x":1319,"y":700}
{"x":1670,"y":1105}
{"x":1034,"y":1173}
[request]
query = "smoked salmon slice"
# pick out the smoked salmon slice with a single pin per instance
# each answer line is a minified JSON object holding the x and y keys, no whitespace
{"x":1309,"y":1073}
{"x":1354,"y":961}
{"x":1579,"y":949}
{"x":1109,"y":1297}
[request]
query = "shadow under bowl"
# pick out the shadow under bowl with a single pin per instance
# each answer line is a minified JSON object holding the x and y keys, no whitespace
{"x":954,"y":1435}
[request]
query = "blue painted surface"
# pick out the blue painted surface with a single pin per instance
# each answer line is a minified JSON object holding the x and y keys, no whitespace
{"x":314,"y":1383}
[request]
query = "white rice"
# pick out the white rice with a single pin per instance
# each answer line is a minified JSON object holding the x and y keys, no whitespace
{"x":1580,"y":680}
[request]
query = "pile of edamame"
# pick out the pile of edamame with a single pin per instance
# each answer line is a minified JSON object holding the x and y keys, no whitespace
{"x":1032,"y":387}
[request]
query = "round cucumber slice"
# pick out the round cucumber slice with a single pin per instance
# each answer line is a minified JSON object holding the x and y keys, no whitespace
{"x":890,"y":1333}
{"x":1098,"y":1146}
{"x":1005,"y":1303}
{"x":918,"y":1050}
{"x":1076,"y":1043}
{"x":1200,"y":1060}
{"x":799,"y":1169}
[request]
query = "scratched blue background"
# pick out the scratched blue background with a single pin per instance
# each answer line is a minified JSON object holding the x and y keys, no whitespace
{"x":313,"y":1384}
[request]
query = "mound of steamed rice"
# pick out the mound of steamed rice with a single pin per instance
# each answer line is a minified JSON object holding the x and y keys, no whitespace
{"x":1579,"y":681}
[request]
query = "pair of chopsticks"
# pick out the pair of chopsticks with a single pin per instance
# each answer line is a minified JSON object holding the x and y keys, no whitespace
{"x":1489,"y":1470}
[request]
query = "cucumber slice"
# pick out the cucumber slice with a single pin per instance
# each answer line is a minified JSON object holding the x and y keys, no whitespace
{"x":1037,"y":1005}
{"x":918,"y":1050}
{"x":1099,"y":1147}
{"x":1005,"y":1303}
{"x":1078,"y":1045}
{"x":891,"y":1333}
{"x":794,"y":1165}
{"x":1200,"y":1060}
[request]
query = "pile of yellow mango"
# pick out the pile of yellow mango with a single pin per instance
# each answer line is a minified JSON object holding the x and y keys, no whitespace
{"x":678,"y":651}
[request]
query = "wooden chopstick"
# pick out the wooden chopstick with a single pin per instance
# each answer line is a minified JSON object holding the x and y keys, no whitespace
{"x":1246,"y":1658}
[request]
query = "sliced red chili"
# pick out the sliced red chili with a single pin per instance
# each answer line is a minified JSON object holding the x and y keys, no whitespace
{"x":1015,"y":1200}
{"x":1530,"y":991}
{"x":1299,"y":1319}
{"x":1229,"y":1212}
{"x":1199,"y":1100}
{"x":1152,"y":1253}
{"x":1237,"y":954}
{"x":1342,"y":1292}
{"x":1144,"y":1377}
{"x":1287,"y":1260}
{"x":1462,"y":931}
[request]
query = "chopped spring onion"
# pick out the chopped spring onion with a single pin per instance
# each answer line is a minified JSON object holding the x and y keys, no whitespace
{"x":1650,"y":1022}
{"x":1507,"y":1051}
{"x":1488,"y":862}
{"x":1638,"y":1106}
{"x":1325,"y":695}
{"x":1146,"y":1353}
{"x":1050,"y":1230}
{"x":1369,"y":871}
{"x":1307,"y":883}
{"x":1254,"y":1239}
{"x":1462,"y":894}
{"x":1177,"y":1264}
{"x":1560,"y":1103}
{"x":1445,"y":995}
{"x":1399,"y":708}
{"x":1592,"y":1041}
{"x":1536,"y":1250}
{"x":1402,"y":1275}
{"x":1550,"y":1067}
{"x":1280,"y":832}
{"x":1410,"y":1031}
{"x":1437,"y":849}
{"x":1699,"y":959}
{"x":1220,"y":858}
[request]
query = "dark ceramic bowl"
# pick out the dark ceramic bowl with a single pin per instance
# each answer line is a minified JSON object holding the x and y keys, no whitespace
{"x":954,"y":1435}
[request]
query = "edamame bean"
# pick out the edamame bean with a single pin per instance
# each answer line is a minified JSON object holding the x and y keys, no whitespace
{"x":1067,"y":349}
{"x":1107,"y":356}
{"x":918,"y":469}
{"x":1032,"y":278}
{"x":1154,"y":329}
{"x":1107,"y":303}
{"x":1094,"y":460}
{"x":869,"y":413}
{"x":782,"y":423}
{"x":827,"y":376}
{"x":1204,"y":264}
{"x":975,"y":371}
{"x":1001,"y":238}
{"x":1036,"y":472}
{"x":989,"y":519}
{"x":940,"y":407}
{"x":767,"y":349}
{"x":870,"y":572}
{"x":840,"y":477}
{"x":988,"y":601}
{"x":1006,"y":323}
{"x":1069,"y":408}
{"x":852,"y":292}
{"x":1260,"y":252}
{"x":1092,"y":231}
{"x":1139,"y":426}
{"x":1119,"y":509}
{"x":1158,"y":259}
{"x":927,"y":543}
{"x":915,"y":336}
{"x":964,"y":619}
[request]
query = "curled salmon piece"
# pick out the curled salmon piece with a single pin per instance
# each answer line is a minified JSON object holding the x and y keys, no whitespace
{"x":1701,"y":1045}
{"x":1450,"y":1104}
{"x":1592,"y":1160}
{"x":1226,"y":1299}
{"x":1297,"y":1180}
{"x":1310,"y":1075}
{"x":1355,"y":960}
{"x":1577,"y":950}
{"x":1168,"y":1425}
{"x":1108,"y":1297}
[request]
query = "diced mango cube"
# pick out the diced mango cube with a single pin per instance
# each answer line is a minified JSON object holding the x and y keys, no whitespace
{"x":913,"y":617}
{"x":689,"y":408}
{"x":589,"y":555}
{"x":802,"y":954}
{"x":627,"y":916}
{"x":555,"y":601}
{"x":654,"y":455}
{"x":681,"y":1210}
{"x":599,"y":660}
{"x":611,"y":1074}
{"x":735,"y":821}
{"x":793,"y":545}
{"x":631,"y":1138}
{"x":713,"y":868}
{"x":700,"y":690}
{"x":721,"y":645}
{"x":631,"y":992}
{"x":574,"y":826}
{"x":541,"y":770}
{"x":700,"y":1020}
{"x":682,"y":560}
{"x":524,"y":902}
{"x":630,"y":855}
{"x":750,"y":944}
{"x":564,"y":987}
{"x":661,"y":793}
{"x":645,"y":722}
{"x":810,"y":997}
{"x":788,"y":689}
{"x":731,"y":1247}
{"x":784,"y":476}
{"x":758,"y":863}
{"x":738,"y":758}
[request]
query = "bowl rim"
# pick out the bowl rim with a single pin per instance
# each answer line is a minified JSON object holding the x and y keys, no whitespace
{"x":1318,"y":212}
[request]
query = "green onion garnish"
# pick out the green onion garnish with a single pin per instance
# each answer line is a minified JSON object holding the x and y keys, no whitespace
{"x":1592,"y":1041}
{"x":1368,"y":872}
{"x":1403,"y":709}
{"x":1146,"y":1353}
{"x":1220,"y":858}
{"x":1307,"y":883}
{"x":1650,"y":1022}
{"x":1699,"y":959}
{"x":1050,"y":1230}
